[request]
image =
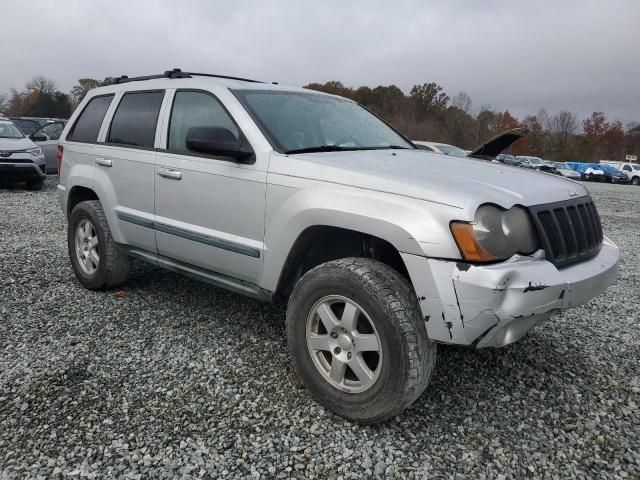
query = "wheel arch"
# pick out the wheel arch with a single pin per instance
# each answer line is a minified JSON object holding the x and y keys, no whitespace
{"x":318,"y":244}
{"x":77,"y":194}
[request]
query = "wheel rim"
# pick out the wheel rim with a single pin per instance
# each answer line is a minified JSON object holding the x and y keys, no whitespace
{"x":87,"y":248}
{"x":344,"y":344}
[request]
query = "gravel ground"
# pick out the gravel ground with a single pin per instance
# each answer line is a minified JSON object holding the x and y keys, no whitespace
{"x":171,"y":377}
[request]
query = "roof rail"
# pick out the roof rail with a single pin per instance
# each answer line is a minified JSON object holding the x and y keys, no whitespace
{"x":176,"y":73}
{"x":224,"y":76}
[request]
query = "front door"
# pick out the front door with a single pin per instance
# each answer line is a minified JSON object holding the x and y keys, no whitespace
{"x":209,"y":211}
{"x":47,"y":139}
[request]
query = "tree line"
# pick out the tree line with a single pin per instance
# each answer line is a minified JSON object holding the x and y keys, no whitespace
{"x":426,"y":113}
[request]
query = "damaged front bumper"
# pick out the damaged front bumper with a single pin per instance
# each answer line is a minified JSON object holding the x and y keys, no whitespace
{"x":495,"y":305}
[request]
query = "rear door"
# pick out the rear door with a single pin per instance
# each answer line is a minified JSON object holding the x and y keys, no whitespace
{"x":209,"y":209}
{"x":124,"y":165}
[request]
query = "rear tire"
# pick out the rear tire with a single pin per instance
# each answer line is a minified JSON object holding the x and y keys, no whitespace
{"x":387,"y":310}
{"x":37,"y":185}
{"x":98,"y":261}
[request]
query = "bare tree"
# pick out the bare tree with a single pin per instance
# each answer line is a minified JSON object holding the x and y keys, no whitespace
{"x":42,"y":85}
{"x":462,"y":101}
{"x":563,"y":126}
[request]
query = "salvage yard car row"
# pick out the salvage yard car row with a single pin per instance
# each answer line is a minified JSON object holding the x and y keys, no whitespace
{"x":28,"y":149}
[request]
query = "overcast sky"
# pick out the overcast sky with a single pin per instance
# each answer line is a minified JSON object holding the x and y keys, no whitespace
{"x":580,"y":55}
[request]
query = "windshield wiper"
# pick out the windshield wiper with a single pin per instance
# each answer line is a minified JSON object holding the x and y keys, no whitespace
{"x":338,"y":148}
{"x":322,"y":148}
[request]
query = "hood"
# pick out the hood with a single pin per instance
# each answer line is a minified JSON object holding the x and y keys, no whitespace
{"x":496,"y":145}
{"x":13,"y":144}
{"x":460,"y":182}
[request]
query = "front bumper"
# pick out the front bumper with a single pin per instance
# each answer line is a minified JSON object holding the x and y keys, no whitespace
{"x":21,"y":172}
{"x":495,"y":305}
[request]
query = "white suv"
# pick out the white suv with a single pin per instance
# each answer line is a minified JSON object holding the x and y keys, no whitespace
{"x":631,"y":171}
{"x":381,"y":250}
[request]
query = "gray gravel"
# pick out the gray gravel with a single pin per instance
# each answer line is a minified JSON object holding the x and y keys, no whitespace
{"x":171,"y":377}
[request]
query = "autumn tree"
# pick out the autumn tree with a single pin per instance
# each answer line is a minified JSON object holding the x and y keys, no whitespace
{"x":429,"y":98}
{"x":79,"y":91}
{"x":40,"y":98}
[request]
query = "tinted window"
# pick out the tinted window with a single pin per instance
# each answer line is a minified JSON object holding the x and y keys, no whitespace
{"x":196,"y":109}
{"x":88,"y":124}
{"x":134,"y":122}
{"x":627,"y":168}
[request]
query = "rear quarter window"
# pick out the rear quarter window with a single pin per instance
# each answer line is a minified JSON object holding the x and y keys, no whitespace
{"x":88,"y":125}
{"x":135,"y":120}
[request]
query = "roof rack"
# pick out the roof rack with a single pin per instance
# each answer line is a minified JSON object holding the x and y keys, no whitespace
{"x":177,"y":73}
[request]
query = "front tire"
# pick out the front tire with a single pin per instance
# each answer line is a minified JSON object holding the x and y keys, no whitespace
{"x":635,"y":181}
{"x":358,"y":340}
{"x":98,"y":261}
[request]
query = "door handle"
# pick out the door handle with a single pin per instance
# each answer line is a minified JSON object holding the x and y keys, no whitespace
{"x":105,"y":162}
{"x":172,"y":174}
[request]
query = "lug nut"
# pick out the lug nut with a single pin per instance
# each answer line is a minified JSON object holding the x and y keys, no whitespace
{"x":334,"y":335}
{"x":337,"y":350}
{"x":349,"y":355}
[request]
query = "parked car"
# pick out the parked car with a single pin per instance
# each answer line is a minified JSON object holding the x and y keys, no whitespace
{"x":612,"y":174}
{"x":508,"y":159}
{"x":488,"y":150}
{"x":588,"y":171}
{"x":630,"y":170}
{"x":47,"y":138}
{"x":29,"y":125}
{"x":21,"y":160}
{"x":442,"y":148}
{"x":530,"y":162}
{"x":566,"y":171}
{"x":291,"y":195}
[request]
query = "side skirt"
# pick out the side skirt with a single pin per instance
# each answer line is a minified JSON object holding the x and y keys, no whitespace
{"x":213,"y":278}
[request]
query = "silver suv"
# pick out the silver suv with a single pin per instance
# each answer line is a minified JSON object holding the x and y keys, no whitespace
{"x":381,"y":250}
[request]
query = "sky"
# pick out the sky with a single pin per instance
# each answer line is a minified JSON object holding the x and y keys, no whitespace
{"x":576,"y":55}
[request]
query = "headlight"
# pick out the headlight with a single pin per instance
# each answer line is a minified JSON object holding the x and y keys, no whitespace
{"x":35,"y":151}
{"x":495,"y":234}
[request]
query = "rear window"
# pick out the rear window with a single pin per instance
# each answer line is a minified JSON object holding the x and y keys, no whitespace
{"x":134,"y":122}
{"x":87,"y":126}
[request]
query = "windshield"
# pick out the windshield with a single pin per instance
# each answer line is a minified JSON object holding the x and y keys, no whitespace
{"x":636,"y":167}
{"x":451,"y":150}
{"x":295,"y":122}
{"x":9,"y":130}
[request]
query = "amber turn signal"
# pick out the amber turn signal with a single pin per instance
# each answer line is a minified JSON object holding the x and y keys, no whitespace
{"x":469,"y":247}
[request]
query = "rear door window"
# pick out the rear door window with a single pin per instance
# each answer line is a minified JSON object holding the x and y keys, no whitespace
{"x":88,"y":125}
{"x":135,"y":120}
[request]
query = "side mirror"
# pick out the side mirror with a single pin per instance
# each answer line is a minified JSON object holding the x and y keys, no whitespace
{"x":218,"y":141}
{"x":38,"y":138}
